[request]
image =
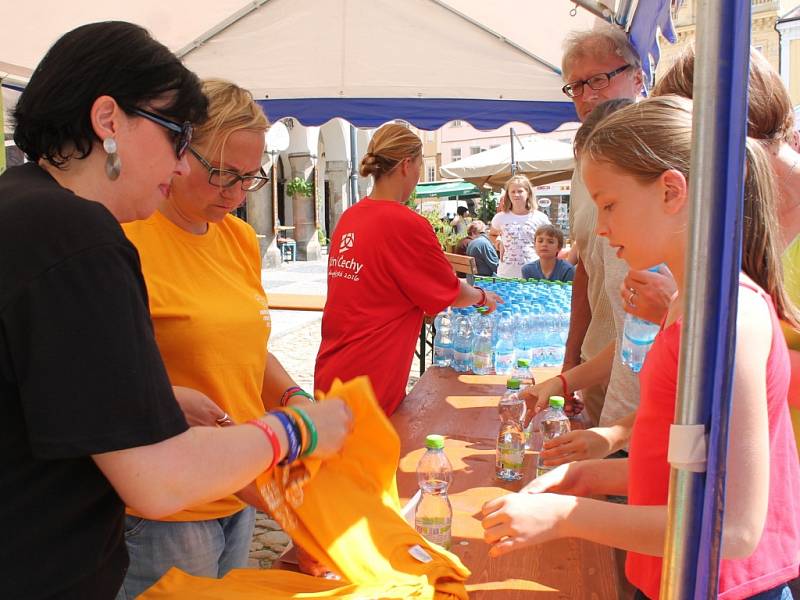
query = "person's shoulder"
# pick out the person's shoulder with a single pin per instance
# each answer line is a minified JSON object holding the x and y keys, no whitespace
{"x":35,"y":208}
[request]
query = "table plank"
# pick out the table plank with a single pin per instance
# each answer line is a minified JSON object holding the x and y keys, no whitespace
{"x":305,"y":302}
{"x":464,"y":409}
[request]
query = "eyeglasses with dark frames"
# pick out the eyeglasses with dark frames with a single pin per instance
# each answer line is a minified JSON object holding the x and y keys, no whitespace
{"x":183,"y":133}
{"x":225,"y":179}
{"x":597,"y":82}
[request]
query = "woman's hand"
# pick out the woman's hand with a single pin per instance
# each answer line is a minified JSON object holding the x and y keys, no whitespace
{"x":199,"y":409}
{"x":647,"y":295}
{"x":565,"y":479}
{"x":334,"y":421}
{"x":519,"y":520}
{"x":492,"y":300}
{"x":580,"y":444}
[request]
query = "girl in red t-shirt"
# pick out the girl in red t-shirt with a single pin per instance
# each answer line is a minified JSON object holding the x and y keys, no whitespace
{"x":636,"y":166}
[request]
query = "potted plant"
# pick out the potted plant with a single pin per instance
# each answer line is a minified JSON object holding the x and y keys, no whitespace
{"x":299,"y":187}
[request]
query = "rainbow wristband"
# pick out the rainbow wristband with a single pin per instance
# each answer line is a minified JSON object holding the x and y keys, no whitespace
{"x":312,"y":429}
{"x":292,"y":434}
{"x":290,"y":391}
{"x":299,"y":392}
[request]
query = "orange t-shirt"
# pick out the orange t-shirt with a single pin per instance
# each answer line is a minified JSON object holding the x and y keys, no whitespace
{"x":210,"y":316}
{"x":345,"y":514}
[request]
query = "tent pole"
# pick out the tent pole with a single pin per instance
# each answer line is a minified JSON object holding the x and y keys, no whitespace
{"x":692,"y":542}
{"x":353,"y":167}
{"x":513,"y":161}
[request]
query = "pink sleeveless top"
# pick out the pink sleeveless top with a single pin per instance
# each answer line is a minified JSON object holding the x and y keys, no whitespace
{"x":777,"y":556}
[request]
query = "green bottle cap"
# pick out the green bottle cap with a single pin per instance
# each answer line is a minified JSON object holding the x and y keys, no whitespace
{"x":523,"y":362}
{"x":557,"y":401}
{"x":434,"y":441}
{"x":512,"y":384}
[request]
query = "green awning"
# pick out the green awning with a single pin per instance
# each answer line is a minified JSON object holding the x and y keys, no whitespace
{"x":444,"y":189}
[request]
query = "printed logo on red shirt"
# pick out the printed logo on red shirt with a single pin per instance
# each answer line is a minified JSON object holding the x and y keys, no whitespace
{"x":348,"y":239}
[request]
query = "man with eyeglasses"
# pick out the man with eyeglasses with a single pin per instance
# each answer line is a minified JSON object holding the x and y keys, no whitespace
{"x":599,"y":65}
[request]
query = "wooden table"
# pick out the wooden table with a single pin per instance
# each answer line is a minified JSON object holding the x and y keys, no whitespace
{"x":305,"y":302}
{"x":464,"y":409}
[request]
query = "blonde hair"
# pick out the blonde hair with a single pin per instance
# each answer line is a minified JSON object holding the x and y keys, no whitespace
{"x":650,"y":137}
{"x":603,"y":41}
{"x":770,"y":115}
{"x":390,"y":145}
{"x":230,"y":109}
{"x":523,"y":181}
{"x":600,"y":112}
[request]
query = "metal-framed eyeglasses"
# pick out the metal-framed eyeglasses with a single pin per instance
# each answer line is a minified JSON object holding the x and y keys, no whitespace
{"x":182,"y":133}
{"x":225,"y":179}
{"x":597,"y":82}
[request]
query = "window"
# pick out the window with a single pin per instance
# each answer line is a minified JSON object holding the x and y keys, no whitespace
{"x":455,"y":123}
{"x":474,"y":150}
{"x":431,"y":173}
{"x":455,"y":154}
{"x":493,"y":146}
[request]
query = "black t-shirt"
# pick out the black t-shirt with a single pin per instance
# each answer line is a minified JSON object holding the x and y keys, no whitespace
{"x":80,"y":374}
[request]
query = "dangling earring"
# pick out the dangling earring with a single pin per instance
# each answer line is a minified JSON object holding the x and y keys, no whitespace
{"x":113,"y":163}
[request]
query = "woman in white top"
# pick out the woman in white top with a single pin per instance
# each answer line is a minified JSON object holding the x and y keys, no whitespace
{"x":516,"y":226}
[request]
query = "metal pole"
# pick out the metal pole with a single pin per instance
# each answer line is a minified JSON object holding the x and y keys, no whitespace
{"x":275,"y":223}
{"x":692,"y":544}
{"x":353,"y":167}
{"x":513,"y":161}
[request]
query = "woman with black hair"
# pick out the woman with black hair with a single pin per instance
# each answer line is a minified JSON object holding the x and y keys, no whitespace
{"x":90,"y":420}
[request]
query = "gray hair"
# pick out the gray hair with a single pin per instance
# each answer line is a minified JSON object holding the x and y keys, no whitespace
{"x":604,"y":40}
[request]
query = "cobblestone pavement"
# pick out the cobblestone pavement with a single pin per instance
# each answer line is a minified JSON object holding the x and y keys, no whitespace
{"x":294,"y":341}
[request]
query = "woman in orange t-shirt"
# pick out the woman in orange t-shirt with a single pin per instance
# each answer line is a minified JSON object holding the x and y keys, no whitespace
{"x":211,"y":318}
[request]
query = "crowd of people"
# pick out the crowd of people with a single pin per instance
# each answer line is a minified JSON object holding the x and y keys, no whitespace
{"x":141,"y":401}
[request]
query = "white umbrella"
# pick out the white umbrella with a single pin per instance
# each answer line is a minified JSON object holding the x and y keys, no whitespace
{"x":540,"y":159}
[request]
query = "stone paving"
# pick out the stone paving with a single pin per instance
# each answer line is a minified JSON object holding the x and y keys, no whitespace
{"x":294,"y":341}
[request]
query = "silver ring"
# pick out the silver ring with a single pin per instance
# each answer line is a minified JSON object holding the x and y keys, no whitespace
{"x":224,"y":420}
{"x":630,"y":298}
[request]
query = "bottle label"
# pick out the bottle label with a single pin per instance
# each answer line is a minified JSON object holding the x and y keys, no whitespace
{"x":510,"y":456}
{"x":481,"y":361}
{"x":434,"y":529}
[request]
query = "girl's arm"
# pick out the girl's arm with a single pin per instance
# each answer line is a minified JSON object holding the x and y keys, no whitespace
{"x":520,"y":520}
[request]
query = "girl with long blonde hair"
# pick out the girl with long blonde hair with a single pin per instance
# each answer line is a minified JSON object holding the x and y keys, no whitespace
{"x":516,"y":225}
{"x":636,"y":166}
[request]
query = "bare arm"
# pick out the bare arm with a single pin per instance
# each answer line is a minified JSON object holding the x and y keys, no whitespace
{"x":580,"y":317}
{"x":594,"y":371}
{"x":205,"y":463}
{"x":468,"y":295}
{"x":520,"y":520}
{"x":276,"y":381}
{"x":584,"y":444}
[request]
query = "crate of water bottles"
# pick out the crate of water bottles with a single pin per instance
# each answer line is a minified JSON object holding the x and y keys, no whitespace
{"x":529,"y":330}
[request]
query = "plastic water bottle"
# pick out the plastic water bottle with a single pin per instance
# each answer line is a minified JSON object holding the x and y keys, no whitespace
{"x":553,"y":423}
{"x":482,"y":344}
{"x":522,"y":371}
{"x":433,"y":516}
{"x":523,"y":337}
{"x":462,"y":342}
{"x":443,"y":340}
{"x":504,"y":347}
{"x":511,"y":438}
{"x":637,"y":339}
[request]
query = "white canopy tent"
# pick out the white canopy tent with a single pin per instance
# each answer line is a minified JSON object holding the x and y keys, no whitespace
{"x":540,"y":159}
{"x":343,"y":49}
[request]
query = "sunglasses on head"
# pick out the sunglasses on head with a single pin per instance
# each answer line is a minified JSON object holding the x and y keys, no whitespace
{"x":183,"y":133}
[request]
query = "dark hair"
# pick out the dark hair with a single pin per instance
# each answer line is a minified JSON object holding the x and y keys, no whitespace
{"x":600,"y":112}
{"x":551,"y":231}
{"x":111,"y":58}
{"x":462,"y":210}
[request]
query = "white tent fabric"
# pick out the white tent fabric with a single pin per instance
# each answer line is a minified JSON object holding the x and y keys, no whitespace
{"x":540,"y":159}
{"x":333,"y":48}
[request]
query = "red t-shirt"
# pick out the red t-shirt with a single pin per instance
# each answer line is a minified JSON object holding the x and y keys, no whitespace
{"x":777,"y":556}
{"x":386,"y":270}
